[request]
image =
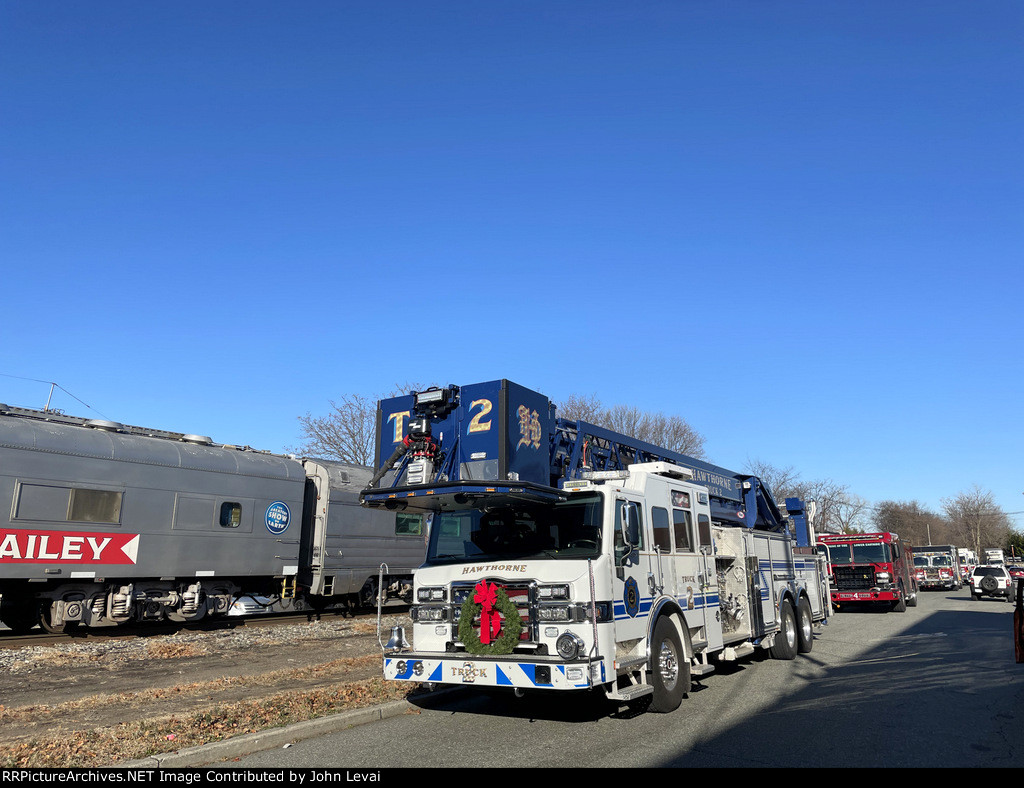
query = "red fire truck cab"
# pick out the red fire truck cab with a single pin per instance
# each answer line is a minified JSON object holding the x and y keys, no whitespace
{"x":869,"y":568}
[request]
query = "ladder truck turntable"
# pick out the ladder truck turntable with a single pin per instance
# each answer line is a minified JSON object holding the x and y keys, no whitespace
{"x":565,"y":556}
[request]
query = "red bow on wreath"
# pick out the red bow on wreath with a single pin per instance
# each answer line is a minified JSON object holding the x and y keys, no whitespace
{"x":486,"y":595}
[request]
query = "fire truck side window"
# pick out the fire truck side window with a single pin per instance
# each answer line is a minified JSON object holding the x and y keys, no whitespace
{"x":620,"y":547}
{"x":660,"y":527}
{"x":683,"y":526}
{"x":704,"y":530}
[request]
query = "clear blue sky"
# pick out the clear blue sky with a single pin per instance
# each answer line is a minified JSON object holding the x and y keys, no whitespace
{"x":796,"y":224}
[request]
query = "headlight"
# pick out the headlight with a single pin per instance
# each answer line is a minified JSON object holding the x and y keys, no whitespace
{"x":553,"y":592}
{"x":425,"y":614}
{"x":547,"y":613}
{"x":883,"y":577}
{"x":430,"y":594}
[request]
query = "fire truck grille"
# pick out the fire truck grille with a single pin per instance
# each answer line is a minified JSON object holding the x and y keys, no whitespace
{"x":854,"y":578}
{"x":518,"y":594}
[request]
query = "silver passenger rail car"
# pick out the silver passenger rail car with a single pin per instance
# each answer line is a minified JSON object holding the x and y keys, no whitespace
{"x":104,"y":524}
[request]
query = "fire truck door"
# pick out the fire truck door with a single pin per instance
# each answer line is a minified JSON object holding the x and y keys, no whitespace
{"x":709,"y":582}
{"x":634,"y":565}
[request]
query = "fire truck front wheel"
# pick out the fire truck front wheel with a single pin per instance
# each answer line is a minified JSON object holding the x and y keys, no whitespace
{"x":670,"y":668}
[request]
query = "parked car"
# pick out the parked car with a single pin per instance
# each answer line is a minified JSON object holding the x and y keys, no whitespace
{"x":989,"y":580}
{"x":1016,"y":572}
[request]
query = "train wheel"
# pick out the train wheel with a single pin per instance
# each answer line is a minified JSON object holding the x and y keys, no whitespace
{"x":19,"y":618}
{"x":45,"y":620}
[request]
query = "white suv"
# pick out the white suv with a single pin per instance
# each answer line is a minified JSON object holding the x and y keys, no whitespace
{"x":991,"y":581}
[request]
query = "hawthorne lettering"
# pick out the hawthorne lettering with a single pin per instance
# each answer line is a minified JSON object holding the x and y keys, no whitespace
{"x":472,"y":570}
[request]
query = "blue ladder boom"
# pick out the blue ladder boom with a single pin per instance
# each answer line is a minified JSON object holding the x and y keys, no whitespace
{"x":500,"y":442}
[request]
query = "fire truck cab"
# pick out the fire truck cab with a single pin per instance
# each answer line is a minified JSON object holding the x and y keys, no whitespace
{"x":869,"y":568}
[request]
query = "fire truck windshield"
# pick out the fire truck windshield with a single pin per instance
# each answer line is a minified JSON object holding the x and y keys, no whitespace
{"x":877,"y":553}
{"x":570,"y":529}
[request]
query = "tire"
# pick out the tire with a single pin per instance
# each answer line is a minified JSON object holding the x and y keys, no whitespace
{"x":989,"y":583}
{"x":900,"y":605}
{"x":670,"y":669}
{"x":19,"y":618}
{"x":786,"y":641}
{"x":805,"y":627}
{"x":912,"y":599}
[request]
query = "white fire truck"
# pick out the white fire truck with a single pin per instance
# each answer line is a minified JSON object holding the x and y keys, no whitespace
{"x":563,"y":556}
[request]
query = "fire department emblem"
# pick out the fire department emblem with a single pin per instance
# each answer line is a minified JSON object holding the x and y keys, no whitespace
{"x":631,"y":597}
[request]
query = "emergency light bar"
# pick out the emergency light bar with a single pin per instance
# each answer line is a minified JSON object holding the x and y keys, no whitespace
{"x":604,"y":475}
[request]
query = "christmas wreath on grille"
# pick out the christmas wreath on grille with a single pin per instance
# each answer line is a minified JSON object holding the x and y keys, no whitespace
{"x":495,"y":636}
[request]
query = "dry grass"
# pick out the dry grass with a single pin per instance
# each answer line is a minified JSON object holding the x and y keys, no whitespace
{"x":129,"y":741}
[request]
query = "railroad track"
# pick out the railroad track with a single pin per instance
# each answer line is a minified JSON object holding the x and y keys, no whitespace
{"x":10,"y":640}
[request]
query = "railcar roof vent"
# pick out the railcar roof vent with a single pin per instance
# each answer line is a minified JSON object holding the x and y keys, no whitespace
{"x":202,"y":440}
{"x":103,"y":424}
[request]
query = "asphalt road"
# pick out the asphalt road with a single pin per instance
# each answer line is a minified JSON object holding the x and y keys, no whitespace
{"x":936,"y":686}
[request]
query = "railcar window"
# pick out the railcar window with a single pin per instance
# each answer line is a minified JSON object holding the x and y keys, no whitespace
{"x":408,"y":524}
{"x":230,"y":514}
{"x":95,"y":506}
{"x":42,"y":502}
{"x":68,"y":504}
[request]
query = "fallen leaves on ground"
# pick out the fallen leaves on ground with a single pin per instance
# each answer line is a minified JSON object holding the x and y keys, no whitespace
{"x":132,"y":740}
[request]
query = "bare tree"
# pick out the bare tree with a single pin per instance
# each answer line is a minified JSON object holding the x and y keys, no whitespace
{"x":915,"y":524}
{"x":577,"y":407}
{"x":977,"y":520}
{"x":850,"y":514}
{"x":838,"y":510}
{"x":348,"y":432}
{"x":669,"y":432}
{"x":782,"y":482}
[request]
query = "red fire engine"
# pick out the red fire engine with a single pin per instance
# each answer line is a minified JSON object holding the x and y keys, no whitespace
{"x":869,"y":568}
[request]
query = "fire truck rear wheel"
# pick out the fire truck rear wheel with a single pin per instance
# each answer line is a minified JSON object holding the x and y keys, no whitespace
{"x":670,"y":669}
{"x":806,"y":630}
{"x":785,"y":644}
